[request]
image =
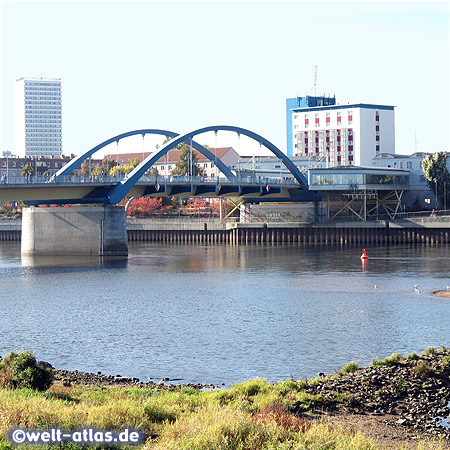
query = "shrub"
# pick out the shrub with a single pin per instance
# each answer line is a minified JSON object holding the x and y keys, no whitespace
{"x":21,"y":370}
{"x":430,"y":351}
{"x":412,"y":357}
{"x":395,"y":358}
{"x":422,"y":369}
{"x":352,"y":366}
{"x":445,"y":361}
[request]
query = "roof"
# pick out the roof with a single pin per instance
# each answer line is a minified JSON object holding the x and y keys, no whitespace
{"x":172,"y":155}
{"x":349,"y":105}
{"x":399,"y":156}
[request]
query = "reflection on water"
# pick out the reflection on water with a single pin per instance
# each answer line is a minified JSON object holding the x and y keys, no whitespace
{"x":223,"y":313}
{"x":74,"y":261}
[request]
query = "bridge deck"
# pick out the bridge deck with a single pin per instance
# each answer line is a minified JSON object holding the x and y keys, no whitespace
{"x":94,"y":189}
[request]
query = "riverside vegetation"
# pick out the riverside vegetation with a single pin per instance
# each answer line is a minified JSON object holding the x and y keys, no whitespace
{"x":390,"y":404}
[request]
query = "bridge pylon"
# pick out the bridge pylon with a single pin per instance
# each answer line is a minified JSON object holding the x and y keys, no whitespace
{"x":80,"y":230}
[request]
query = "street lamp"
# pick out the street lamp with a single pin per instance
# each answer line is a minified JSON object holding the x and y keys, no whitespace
{"x":7,"y":154}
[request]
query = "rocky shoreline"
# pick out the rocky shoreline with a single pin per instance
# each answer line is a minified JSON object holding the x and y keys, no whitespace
{"x":413,"y":393}
{"x":69,"y":378}
{"x":410,"y":393}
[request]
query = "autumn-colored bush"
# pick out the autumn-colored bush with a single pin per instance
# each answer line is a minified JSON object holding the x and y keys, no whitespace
{"x":144,"y":207}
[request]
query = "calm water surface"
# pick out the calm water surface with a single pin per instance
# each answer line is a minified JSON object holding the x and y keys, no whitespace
{"x":218,"y":313}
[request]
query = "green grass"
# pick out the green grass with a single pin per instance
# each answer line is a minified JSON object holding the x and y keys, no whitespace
{"x":251,"y":415}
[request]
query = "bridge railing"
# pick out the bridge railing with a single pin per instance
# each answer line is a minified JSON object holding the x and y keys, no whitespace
{"x":148,"y":179}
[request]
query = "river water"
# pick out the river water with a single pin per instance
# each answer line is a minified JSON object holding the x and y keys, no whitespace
{"x":224,"y":314}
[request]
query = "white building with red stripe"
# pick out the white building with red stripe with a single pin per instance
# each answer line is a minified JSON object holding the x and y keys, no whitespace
{"x":343,"y":135}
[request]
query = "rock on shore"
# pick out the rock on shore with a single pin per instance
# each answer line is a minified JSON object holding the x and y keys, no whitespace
{"x":69,"y":378}
{"x":414,"y":393}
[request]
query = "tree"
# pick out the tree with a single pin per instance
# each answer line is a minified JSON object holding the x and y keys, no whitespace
{"x":84,"y":169}
{"x":142,"y":206}
{"x":182,"y":166}
{"x":121,"y":170}
{"x":437,"y":176}
{"x":134,"y":162}
{"x":198,"y":207}
{"x":27,"y":170}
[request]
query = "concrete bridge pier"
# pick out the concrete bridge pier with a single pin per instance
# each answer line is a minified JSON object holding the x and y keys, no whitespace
{"x":80,"y":230}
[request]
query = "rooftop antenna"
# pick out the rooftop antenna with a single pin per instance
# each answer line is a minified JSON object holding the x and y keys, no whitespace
{"x":315,"y":81}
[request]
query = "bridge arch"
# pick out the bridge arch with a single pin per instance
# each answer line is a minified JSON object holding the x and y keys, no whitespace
{"x":118,"y":192}
{"x":76,"y":162}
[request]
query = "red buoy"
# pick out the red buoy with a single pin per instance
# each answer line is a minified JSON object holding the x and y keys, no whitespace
{"x":364,"y":256}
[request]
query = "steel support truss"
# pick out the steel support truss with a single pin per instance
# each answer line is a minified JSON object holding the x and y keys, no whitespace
{"x":363,"y":205}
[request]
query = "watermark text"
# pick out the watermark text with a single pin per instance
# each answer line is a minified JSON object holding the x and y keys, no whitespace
{"x":83,"y":436}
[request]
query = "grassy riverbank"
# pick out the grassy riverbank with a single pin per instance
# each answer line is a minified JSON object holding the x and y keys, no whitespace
{"x":362,"y":409}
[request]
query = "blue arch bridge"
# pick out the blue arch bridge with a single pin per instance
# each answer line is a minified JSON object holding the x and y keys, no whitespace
{"x":64,"y":187}
{"x":101,"y":230}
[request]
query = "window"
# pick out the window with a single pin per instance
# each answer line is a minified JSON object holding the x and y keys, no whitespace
{"x":377,"y":127}
{"x":377,"y":148}
{"x":295,"y":116}
{"x":409,"y":165}
{"x":377,"y":116}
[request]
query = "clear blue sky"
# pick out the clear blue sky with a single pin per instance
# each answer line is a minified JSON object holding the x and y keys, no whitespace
{"x":185,"y":65}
